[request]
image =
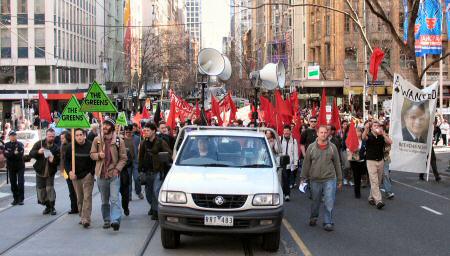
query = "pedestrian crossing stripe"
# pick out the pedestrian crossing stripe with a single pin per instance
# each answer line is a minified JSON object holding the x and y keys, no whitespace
{"x":2,"y":195}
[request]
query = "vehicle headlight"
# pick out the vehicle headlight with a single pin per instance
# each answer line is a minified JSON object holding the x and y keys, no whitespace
{"x":173,"y":197}
{"x":266,"y":200}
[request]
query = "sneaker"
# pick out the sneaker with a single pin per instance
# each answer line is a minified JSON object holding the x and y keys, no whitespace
{"x":115,"y":226}
{"x":380,"y":205}
{"x":328,"y":227}
{"x":312,"y":222}
{"x":47,"y":210}
{"x":53,"y":211}
{"x":86,"y":225}
{"x":126,"y":212}
{"x":438,"y":178}
{"x":73,"y":212}
{"x":20,"y":203}
{"x":345,"y":182}
{"x":150,"y":212}
{"x":287,"y":198}
{"x":351,"y":183}
{"x":81,"y":223}
{"x":106,"y":225}
{"x":14,"y":202}
{"x":155,"y":216}
{"x":372,"y":201}
{"x":141,"y":196}
{"x":390,"y":195}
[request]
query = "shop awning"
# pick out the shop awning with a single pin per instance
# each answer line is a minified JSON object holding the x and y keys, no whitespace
{"x":64,"y":96}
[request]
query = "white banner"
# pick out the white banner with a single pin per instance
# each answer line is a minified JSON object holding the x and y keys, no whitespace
{"x":411,"y":125}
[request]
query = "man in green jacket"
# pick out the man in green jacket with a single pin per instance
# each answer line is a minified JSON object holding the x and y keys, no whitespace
{"x":322,"y":168}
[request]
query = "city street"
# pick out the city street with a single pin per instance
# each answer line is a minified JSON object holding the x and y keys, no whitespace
{"x":415,"y":222}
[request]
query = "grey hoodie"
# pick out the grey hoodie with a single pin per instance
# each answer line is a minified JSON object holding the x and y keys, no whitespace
{"x":321,"y":165}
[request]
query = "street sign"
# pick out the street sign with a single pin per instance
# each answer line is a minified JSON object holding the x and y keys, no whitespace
{"x":72,"y":117}
{"x":97,"y":101}
{"x":122,"y":119}
{"x":314,"y":72}
{"x":377,"y":82}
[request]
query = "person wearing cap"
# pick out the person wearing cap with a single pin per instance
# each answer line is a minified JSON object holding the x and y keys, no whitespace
{"x":110,"y":155}
{"x":132,"y":143}
{"x":47,"y":155}
{"x":16,"y":167}
{"x":57,"y":130}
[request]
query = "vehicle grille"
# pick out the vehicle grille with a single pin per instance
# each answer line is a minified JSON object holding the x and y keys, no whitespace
{"x":200,"y":222}
{"x":230,"y":201}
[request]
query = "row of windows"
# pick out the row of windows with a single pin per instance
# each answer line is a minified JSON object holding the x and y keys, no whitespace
{"x":22,"y":12}
{"x":22,"y":43}
{"x":19,"y":75}
{"x":74,"y":47}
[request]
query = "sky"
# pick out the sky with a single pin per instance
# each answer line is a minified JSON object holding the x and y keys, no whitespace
{"x":215,"y":22}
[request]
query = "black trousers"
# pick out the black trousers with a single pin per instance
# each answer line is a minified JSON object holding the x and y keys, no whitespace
{"x":444,"y":138}
{"x":358,"y":169}
{"x":72,"y":196}
{"x":285,"y":178}
{"x":433,"y":165}
{"x":17,"y":179}
{"x":124,"y":188}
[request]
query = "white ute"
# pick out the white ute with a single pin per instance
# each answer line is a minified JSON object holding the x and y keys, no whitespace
{"x":222,"y":181}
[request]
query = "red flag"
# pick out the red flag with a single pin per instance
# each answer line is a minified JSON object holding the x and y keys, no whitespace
{"x":44,"y":109}
{"x":171,"y":119}
{"x":352,"y":141}
{"x":136,"y":119}
{"x":296,"y":134}
{"x":335,"y":118}
{"x":294,"y":102}
{"x":323,"y":109}
{"x":233,"y":108}
{"x":375,"y":62}
{"x":215,"y":109}
{"x":280,"y":105}
{"x":145,"y":114}
{"x":197,"y":110}
{"x":314,"y":110}
{"x":267,"y":110}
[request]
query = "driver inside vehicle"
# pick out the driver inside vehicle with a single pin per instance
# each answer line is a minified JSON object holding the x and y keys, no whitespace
{"x":202,"y":145}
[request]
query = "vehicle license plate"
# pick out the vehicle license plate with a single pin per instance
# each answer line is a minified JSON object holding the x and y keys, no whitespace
{"x":214,"y":220}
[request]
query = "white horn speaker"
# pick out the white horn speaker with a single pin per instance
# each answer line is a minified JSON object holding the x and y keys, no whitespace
{"x":210,"y":62}
{"x":273,"y":75}
{"x":226,"y":73}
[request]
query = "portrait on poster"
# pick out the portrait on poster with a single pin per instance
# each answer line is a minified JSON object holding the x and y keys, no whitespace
{"x":415,"y":119}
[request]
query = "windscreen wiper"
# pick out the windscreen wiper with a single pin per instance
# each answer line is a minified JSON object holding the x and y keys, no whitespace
{"x":255,"y":166}
{"x":216,"y":165}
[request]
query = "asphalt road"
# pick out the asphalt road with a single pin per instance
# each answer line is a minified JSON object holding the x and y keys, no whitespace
{"x":415,"y":222}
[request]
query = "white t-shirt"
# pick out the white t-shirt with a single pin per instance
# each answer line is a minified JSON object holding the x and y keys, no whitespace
{"x":444,"y":128}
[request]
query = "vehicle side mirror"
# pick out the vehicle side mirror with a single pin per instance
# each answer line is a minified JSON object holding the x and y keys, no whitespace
{"x":164,"y":157}
{"x":284,"y":160}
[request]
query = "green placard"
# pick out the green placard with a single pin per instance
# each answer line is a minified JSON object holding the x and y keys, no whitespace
{"x":72,"y":117}
{"x":97,"y":101}
{"x":122,"y":119}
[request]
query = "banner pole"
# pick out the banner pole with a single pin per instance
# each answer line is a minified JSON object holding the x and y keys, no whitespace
{"x":429,"y":161}
{"x":73,"y":149}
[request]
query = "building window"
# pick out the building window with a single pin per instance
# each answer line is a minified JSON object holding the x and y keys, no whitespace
{"x":351,"y":58}
{"x":22,"y":12}
{"x":39,"y":12}
{"x":42,"y":74}
{"x":347,"y":24}
{"x":39,"y":42}
{"x":328,"y":54}
{"x":22,"y":38}
{"x":5,"y":17}
{"x":6,"y":43}
{"x":328,"y":25}
{"x":92,"y":74}
{"x":6,"y":74}
{"x":21,"y":74}
{"x":74,"y":75}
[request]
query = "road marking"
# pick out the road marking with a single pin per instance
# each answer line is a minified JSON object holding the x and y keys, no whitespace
{"x":29,"y":184}
{"x":297,"y":238}
{"x":3,"y":183}
{"x":423,"y":190}
{"x":4,"y":194}
{"x":431,"y":210}
{"x":30,"y":174}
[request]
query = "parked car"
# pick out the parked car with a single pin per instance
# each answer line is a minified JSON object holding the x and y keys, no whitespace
{"x":225,"y":181}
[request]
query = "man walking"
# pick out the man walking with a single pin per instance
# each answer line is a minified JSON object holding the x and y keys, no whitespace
{"x":289,"y":147}
{"x":110,"y":155}
{"x":444,"y":131}
{"x":47,"y":155}
{"x":132,"y":144}
{"x":149,"y":164}
{"x":165,"y":134}
{"x":15,"y":167}
{"x":376,"y":140}
{"x":309,"y":135}
{"x":83,"y":175}
{"x":322,"y":168}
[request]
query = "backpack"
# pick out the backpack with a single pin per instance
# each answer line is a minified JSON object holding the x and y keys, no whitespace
{"x":129,"y":160}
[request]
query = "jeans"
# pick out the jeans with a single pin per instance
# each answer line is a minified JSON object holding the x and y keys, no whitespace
{"x":387,"y":185}
{"x":109,"y":191}
{"x":124,"y":191}
{"x":328,"y":190}
{"x":133,"y":173}
{"x":16,"y":177}
{"x":152,"y":187}
{"x":45,"y":187}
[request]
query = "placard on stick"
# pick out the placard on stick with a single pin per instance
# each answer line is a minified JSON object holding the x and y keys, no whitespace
{"x":97,"y":101}
{"x":72,"y":117}
{"x":122,"y":119}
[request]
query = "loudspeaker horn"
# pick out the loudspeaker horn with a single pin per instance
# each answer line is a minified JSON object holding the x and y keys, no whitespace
{"x":226,"y":73}
{"x":210,"y":62}
{"x":273,"y":75}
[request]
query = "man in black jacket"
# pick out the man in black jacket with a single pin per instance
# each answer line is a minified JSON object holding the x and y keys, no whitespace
{"x":47,"y":154}
{"x":16,"y":167}
{"x":165,"y":134}
{"x":83,"y":175}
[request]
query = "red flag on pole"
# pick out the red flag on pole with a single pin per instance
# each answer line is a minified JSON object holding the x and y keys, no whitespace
{"x":145,"y":114}
{"x":197,"y":110}
{"x":294,"y":102}
{"x":215,"y":109}
{"x":280,"y":105}
{"x":171,"y":119}
{"x":323,"y":109}
{"x":44,"y":109}
{"x":314,"y":110}
{"x":233,"y":108}
{"x":136,"y":119}
{"x":335,"y":118}
{"x":352,"y":141}
{"x":375,"y":62}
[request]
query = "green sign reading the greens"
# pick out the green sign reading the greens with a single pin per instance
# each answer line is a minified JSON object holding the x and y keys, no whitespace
{"x":97,"y":101}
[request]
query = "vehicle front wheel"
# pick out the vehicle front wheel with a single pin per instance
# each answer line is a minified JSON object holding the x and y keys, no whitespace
{"x":271,"y":241}
{"x":170,"y":239}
